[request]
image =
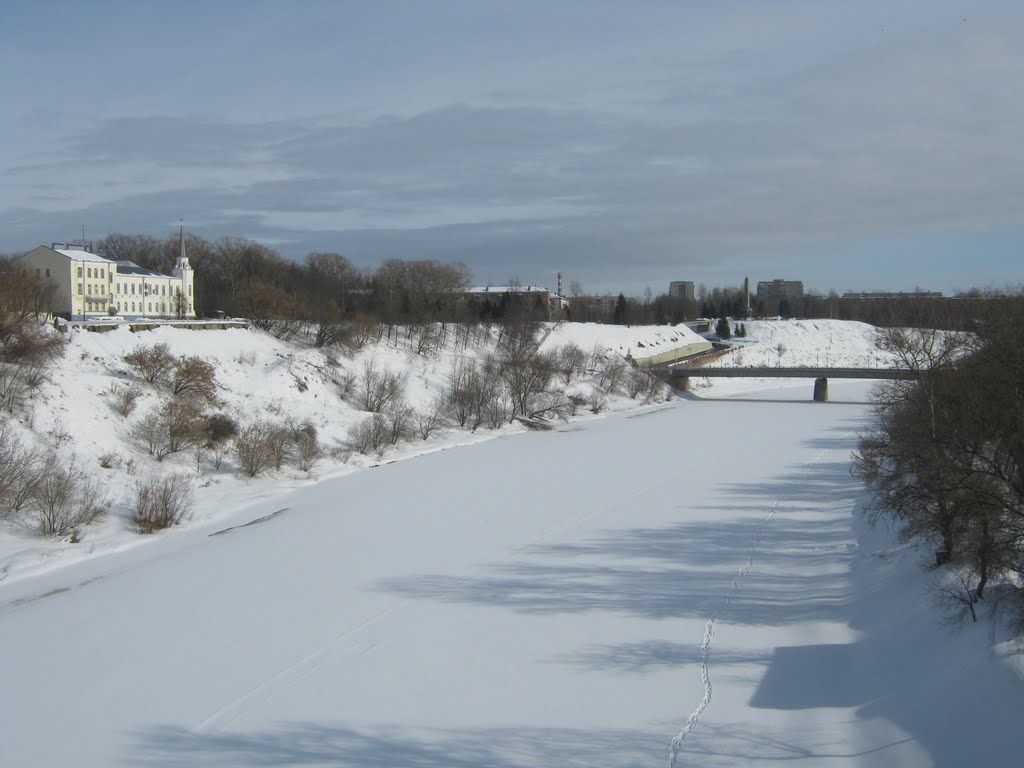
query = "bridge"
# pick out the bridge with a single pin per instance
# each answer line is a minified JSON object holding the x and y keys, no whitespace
{"x":820,"y":375}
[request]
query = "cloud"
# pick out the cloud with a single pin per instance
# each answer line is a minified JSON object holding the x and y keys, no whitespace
{"x":638,"y":148}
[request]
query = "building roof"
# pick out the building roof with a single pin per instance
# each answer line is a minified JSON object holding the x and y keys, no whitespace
{"x":131,"y":268}
{"x":81,"y":255}
{"x":500,"y":289}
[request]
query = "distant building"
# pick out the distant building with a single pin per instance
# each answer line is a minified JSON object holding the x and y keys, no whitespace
{"x":532,"y":298}
{"x":594,"y":307}
{"x":90,"y":285}
{"x":681,"y":289}
{"x":777,"y":290}
{"x":881,"y":295}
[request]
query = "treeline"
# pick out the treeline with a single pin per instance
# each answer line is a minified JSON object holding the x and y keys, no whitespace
{"x":948,"y":313}
{"x":945,"y":454}
{"x":246,"y":279}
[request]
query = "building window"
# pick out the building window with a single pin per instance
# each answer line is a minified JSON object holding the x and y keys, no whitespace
{"x":79,"y":271}
{"x":79,"y":289}
{"x":48,"y":273}
{"x":88,"y":271}
{"x":133,"y":290}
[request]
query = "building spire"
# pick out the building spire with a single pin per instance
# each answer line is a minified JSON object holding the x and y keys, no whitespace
{"x":181,"y":239}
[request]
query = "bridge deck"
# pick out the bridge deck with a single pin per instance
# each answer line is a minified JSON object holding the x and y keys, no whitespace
{"x":793,"y":373}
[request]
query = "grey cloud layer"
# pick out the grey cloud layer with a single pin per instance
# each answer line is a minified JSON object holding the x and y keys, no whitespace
{"x":721,"y":160}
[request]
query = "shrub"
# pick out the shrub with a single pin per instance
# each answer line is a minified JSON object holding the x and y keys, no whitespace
{"x":640,"y":381}
{"x":162,"y":502}
{"x":399,"y":418}
{"x":63,"y":500}
{"x":20,"y":469}
{"x":125,"y":398}
{"x":371,"y":435}
{"x":308,"y":450}
{"x":173,"y":427}
{"x":612,"y":373}
{"x":429,"y":421}
{"x":194,"y":377}
{"x":110,"y":460}
{"x":252,"y":448}
{"x":219,"y":428}
{"x":376,"y":390}
{"x":218,"y":432}
{"x":152,"y":363}
{"x":279,"y":444}
{"x":27,"y":348}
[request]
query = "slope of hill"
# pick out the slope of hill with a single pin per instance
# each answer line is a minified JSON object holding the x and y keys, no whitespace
{"x":258,"y":376}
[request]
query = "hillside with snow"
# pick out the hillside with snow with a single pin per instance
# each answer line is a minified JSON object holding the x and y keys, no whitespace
{"x":681,"y":581}
{"x":258,"y":376}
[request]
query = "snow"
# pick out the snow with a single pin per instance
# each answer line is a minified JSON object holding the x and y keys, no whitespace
{"x":501,"y":289}
{"x":81,"y":255}
{"x":545,"y":598}
{"x":794,"y":344}
{"x":636,"y":342}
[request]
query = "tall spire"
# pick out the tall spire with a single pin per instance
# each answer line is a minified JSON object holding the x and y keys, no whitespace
{"x":181,"y":240}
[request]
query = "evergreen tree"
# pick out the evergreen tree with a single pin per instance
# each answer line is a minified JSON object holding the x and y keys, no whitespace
{"x":620,"y":311}
{"x":722,"y":328}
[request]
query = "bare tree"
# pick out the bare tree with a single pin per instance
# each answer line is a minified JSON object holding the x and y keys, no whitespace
{"x":944,"y":453}
{"x":21,"y":468}
{"x":572,"y":361}
{"x":400,"y":420}
{"x":170,"y":428}
{"x":279,"y":445}
{"x":152,"y":363}
{"x":612,"y":373}
{"x":430,"y":420}
{"x":253,"y":448}
{"x":194,"y":377}
{"x":371,"y":435}
{"x":377,"y":389}
{"x":64,"y":500}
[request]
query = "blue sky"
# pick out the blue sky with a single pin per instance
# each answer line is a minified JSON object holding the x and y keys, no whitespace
{"x":855,"y":146}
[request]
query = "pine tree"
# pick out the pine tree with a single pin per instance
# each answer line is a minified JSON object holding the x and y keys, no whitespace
{"x":620,"y":311}
{"x":723,"y":329}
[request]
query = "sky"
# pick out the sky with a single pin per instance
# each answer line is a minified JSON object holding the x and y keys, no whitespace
{"x":854,"y":146}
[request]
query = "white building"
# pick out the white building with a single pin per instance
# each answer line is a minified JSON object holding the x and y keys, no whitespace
{"x":90,"y":285}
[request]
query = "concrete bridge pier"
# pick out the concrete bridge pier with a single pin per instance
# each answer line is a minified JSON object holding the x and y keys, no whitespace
{"x":821,"y":390}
